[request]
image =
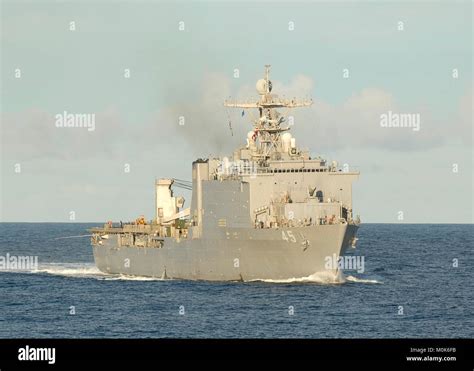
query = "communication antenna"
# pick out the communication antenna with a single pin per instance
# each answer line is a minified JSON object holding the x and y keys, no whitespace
{"x":267,"y":127}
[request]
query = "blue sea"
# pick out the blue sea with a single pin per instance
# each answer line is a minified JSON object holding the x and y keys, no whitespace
{"x":417,"y":283}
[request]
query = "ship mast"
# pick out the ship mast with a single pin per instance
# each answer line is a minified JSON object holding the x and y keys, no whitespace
{"x":268,"y":127}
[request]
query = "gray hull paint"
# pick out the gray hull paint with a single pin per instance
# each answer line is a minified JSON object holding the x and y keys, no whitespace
{"x":232,"y":254}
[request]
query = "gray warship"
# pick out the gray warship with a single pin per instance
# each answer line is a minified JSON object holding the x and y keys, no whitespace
{"x":268,"y":212}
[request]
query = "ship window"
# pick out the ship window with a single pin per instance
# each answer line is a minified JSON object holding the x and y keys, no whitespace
{"x":319,"y":196}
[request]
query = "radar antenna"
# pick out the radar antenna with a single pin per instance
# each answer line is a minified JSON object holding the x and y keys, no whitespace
{"x":267,"y":128}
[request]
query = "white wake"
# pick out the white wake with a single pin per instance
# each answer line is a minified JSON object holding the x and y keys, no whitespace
{"x":89,"y":270}
{"x":361,"y":280}
{"x":324,"y":278}
{"x":83,"y":270}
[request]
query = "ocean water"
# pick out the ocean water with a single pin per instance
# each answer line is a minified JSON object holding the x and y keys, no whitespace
{"x":411,"y":287}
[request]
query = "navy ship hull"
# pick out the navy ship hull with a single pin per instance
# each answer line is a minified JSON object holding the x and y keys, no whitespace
{"x":233,"y":254}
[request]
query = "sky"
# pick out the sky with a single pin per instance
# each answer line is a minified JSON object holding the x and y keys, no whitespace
{"x":357,"y":60}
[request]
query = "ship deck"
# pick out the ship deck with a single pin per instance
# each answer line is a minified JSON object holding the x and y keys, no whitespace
{"x":126,"y":228}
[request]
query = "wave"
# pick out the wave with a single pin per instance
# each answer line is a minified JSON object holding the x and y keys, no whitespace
{"x":122,"y":277}
{"x":318,"y":277}
{"x":324,"y":278}
{"x":70,"y":270}
{"x":83,"y":270}
{"x":89,"y":270}
{"x":361,"y":280}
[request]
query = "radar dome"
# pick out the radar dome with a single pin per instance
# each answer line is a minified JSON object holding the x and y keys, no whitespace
{"x":261,"y":86}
